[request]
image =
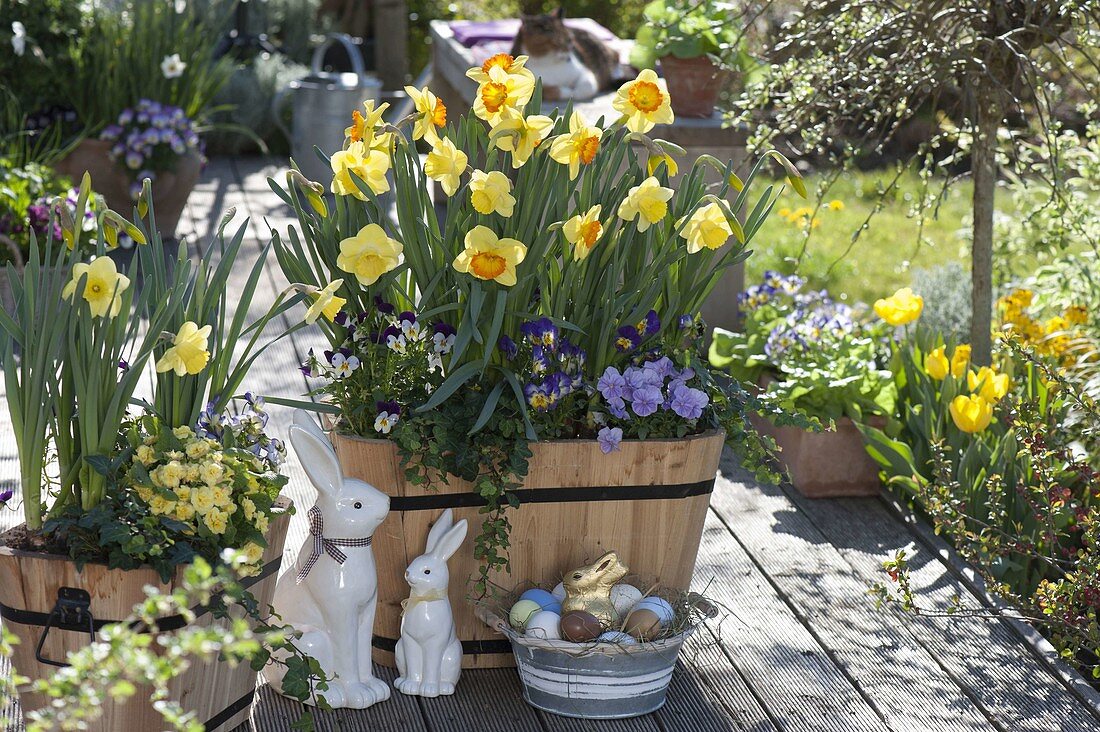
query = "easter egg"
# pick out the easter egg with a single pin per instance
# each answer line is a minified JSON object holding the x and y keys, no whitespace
{"x":661,"y":608}
{"x":624,"y":597}
{"x":643,"y":624}
{"x":545,"y":625}
{"x":559,"y":592}
{"x":580,"y":627}
{"x":521,"y":612}
{"x":544,"y":599}
{"x":617,"y":637}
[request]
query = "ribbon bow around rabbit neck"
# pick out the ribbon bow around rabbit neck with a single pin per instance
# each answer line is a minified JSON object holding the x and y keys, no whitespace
{"x":323,"y":545}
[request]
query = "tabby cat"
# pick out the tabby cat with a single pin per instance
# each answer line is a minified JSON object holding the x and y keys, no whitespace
{"x":573,"y":63}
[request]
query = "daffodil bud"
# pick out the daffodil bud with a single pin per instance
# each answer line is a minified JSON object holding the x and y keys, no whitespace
{"x":314,"y":192}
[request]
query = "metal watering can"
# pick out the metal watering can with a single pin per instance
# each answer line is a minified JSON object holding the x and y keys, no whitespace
{"x":322,"y":103}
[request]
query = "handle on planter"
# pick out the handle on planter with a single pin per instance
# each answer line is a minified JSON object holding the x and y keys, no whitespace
{"x":72,"y":608}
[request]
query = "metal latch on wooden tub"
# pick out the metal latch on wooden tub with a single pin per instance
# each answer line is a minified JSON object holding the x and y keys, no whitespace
{"x":72,"y":609}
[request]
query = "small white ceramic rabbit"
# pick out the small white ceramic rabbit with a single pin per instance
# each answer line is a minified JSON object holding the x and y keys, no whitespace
{"x":429,"y":655}
{"x":329,"y":596}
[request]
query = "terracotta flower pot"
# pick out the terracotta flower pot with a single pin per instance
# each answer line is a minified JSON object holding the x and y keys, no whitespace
{"x":170,"y":188}
{"x":693,"y":84}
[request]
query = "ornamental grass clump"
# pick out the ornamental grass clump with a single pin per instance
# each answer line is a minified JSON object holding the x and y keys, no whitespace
{"x":565,"y":255}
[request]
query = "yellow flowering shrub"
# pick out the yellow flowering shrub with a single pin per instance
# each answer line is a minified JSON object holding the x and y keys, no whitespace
{"x":1052,"y":337}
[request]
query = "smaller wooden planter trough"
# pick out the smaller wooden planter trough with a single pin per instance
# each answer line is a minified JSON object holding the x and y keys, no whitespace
{"x":52,"y":608}
{"x":829,"y":464}
{"x":647,"y":501}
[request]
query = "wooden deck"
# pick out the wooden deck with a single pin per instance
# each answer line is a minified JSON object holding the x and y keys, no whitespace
{"x":802,"y":647}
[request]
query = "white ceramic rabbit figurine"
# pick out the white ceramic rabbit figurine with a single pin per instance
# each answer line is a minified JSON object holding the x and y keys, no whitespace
{"x":429,"y":655}
{"x":329,"y":596}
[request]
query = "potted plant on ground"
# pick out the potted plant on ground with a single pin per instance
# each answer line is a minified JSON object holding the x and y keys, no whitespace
{"x":697,"y":44}
{"x":118,"y":491}
{"x":533,"y":360}
{"x":820,"y":358}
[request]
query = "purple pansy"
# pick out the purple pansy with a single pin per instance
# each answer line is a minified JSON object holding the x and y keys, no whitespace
{"x":646,"y":400}
{"x":611,"y":384}
{"x":628,"y":339}
{"x":687,"y":402}
{"x":609,"y":439}
{"x":648,"y":325}
{"x":508,"y":347}
{"x":6,"y":496}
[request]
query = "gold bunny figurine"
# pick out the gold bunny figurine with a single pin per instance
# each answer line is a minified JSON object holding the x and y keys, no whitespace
{"x":589,"y":588}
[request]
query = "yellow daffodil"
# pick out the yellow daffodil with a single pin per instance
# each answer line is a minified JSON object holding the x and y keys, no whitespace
{"x":369,"y":165}
{"x":431,"y":114}
{"x":503,"y":94}
{"x":577,"y":147}
{"x":505,"y":61}
{"x":364,"y":127}
{"x":488,"y":257}
{"x":446,"y":164}
{"x":521,"y":135}
{"x":900,"y":308}
{"x":707,"y":228}
{"x":936,"y":364}
{"x":971,"y":413}
{"x":655,"y":161}
{"x":491,"y":193}
{"x":644,"y":102}
{"x":648,"y":202}
{"x":103,"y":286}
{"x":583,"y":231}
{"x":960,"y":360}
{"x":987,"y":383}
{"x":326,"y":303}
{"x":369,"y":254}
{"x":188,"y":354}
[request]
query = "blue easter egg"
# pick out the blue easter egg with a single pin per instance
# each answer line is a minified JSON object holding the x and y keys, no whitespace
{"x":544,"y":599}
{"x":660,"y":608}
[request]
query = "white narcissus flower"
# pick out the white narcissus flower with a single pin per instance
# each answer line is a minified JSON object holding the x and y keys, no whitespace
{"x":172,"y":67}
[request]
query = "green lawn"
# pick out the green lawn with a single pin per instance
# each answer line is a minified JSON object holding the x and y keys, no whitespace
{"x":883,"y":257}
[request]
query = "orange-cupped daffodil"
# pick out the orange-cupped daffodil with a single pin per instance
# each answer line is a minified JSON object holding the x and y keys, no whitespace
{"x":491,"y":193}
{"x":647,"y":202}
{"x":644,"y":102}
{"x":103,"y":286}
{"x":578,"y":146}
{"x":901,"y":308}
{"x":505,"y":61}
{"x":188,"y":353}
{"x":364,"y":127}
{"x":503,"y":94}
{"x":489,"y":257}
{"x":708,"y":228}
{"x":369,"y":254}
{"x":583,"y":231}
{"x":971,"y":413}
{"x":431,"y":114}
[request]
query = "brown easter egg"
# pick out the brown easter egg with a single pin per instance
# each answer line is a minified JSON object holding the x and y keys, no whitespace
{"x":643,"y":624}
{"x":580,"y":627}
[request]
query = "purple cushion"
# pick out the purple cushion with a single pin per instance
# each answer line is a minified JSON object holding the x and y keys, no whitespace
{"x":470,"y":32}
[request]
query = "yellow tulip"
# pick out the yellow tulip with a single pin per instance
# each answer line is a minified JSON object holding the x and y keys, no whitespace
{"x":707,"y":228}
{"x":647,"y":202}
{"x":504,"y":61}
{"x":326,"y":303}
{"x":644,"y":102}
{"x":579,"y":146}
{"x":103,"y":286}
{"x":503,"y":94}
{"x":491,"y":193}
{"x":583,"y":231}
{"x":990,"y":385}
{"x":971,"y":413}
{"x":431,"y":114}
{"x":369,"y":165}
{"x":521,"y":135}
{"x":960,"y":360}
{"x":936,"y":364}
{"x":446,"y":164}
{"x":369,"y":254}
{"x":488,"y":257}
{"x":900,"y":308}
{"x":188,"y":354}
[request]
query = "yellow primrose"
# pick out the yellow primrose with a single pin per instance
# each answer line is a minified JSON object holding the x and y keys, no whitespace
{"x":446,"y":164}
{"x":648,"y":202}
{"x":505,"y":61}
{"x":188,"y":354}
{"x":578,"y":146}
{"x":431,"y":114}
{"x":369,"y":165}
{"x":216,"y":520}
{"x":488,"y":257}
{"x":990,"y":385}
{"x":960,"y":360}
{"x":521,"y":135}
{"x":707,"y":227}
{"x":326,"y":303}
{"x":644,"y":102}
{"x":491,"y":193}
{"x":103,"y":286}
{"x":900,"y":308}
{"x":503,"y":94}
{"x":583,"y":231}
{"x":936,"y":364}
{"x":369,"y":254}
{"x":971,"y":413}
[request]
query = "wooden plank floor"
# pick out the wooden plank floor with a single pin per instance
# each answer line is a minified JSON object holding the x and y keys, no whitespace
{"x":801,"y":647}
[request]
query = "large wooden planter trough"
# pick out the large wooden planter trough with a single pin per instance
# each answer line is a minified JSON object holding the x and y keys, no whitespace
{"x":647,"y":501}
{"x":220,"y":694}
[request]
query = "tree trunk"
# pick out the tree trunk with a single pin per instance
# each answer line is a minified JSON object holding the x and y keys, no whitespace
{"x":984,"y":171}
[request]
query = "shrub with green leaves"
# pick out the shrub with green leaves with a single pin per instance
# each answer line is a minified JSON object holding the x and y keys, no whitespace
{"x":690,"y":29}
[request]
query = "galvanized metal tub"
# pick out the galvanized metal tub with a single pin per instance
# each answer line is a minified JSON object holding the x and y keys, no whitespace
{"x":592,"y":680}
